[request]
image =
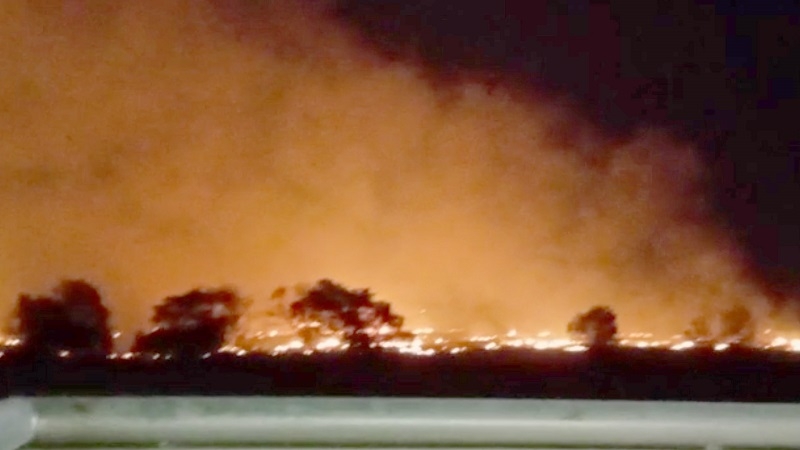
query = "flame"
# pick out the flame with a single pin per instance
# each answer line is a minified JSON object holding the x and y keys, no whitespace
{"x":683,"y":345}
{"x":427,"y":342}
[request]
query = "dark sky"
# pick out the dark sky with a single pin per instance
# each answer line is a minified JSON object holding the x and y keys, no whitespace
{"x":724,"y":74}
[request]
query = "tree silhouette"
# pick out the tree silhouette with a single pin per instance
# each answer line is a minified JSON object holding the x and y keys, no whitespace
{"x":192,"y":324}
{"x":598,"y":326}
{"x":331,"y":309}
{"x":73,"y":319}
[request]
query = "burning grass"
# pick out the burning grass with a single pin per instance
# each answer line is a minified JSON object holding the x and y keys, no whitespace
{"x":340,"y":341}
{"x":484,"y":367}
{"x":331,"y":318}
{"x":426,"y":342}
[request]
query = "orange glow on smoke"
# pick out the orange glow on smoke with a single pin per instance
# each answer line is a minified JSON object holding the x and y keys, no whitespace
{"x":149,"y":150}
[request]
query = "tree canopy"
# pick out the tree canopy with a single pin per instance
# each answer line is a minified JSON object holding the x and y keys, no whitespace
{"x":192,"y":324}
{"x":72,"y":319}
{"x":329,"y":308}
{"x":598,"y":326}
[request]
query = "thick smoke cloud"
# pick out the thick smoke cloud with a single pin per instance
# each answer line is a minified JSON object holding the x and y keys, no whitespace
{"x":151,"y":147}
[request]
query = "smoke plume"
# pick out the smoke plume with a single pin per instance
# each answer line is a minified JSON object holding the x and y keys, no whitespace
{"x":155,"y":146}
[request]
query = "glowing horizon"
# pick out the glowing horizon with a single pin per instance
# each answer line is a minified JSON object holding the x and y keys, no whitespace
{"x":150,"y":148}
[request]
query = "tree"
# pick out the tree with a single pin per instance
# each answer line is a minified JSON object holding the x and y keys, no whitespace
{"x":192,"y":324}
{"x":331,"y":309}
{"x":598,"y":326}
{"x":73,"y":319}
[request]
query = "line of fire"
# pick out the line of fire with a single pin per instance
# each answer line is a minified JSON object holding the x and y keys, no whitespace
{"x":325,"y":317}
{"x":329,"y":339}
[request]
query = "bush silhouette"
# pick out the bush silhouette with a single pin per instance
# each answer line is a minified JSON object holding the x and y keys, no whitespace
{"x":598,"y":326}
{"x":73,"y":319}
{"x":192,"y":324}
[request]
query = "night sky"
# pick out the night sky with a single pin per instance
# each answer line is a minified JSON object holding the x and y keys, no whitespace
{"x":725,"y":75}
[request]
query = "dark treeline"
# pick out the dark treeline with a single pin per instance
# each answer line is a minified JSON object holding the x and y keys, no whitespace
{"x":191,"y":328}
{"x":74,"y":319}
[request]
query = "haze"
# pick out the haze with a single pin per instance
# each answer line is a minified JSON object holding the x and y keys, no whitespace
{"x":149,"y":148}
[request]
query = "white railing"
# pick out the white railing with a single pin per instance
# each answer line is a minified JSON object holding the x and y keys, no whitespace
{"x":284,"y":422}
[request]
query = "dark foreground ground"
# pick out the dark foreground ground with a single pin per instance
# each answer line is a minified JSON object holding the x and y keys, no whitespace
{"x":612,"y":373}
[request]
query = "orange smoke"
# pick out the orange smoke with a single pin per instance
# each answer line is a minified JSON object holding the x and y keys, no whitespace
{"x":149,"y":148}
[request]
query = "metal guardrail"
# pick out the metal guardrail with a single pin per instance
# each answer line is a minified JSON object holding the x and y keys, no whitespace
{"x":285,"y":422}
